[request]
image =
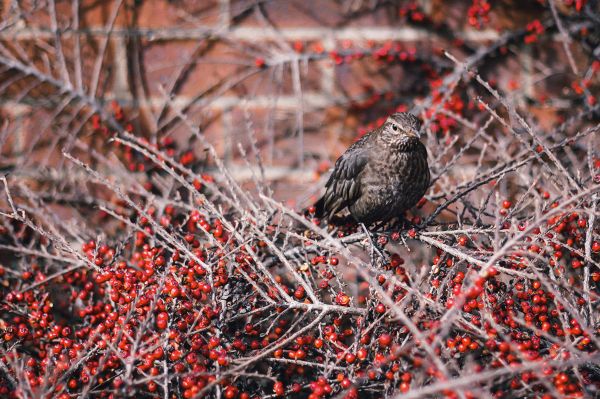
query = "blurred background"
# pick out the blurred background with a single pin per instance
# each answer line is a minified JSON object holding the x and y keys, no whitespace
{"x":282,"y":87}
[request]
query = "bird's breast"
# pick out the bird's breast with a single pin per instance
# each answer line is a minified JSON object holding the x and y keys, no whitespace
{"x":399,"y":174}
{"x":394,"y":179}
{"x":401,"y":167}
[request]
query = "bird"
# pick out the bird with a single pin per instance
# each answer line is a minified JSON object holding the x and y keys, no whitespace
{"x":380,"y":176}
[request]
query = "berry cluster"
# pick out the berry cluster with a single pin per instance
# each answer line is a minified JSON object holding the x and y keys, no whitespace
{"x":186,"y":284}
{"x":478,"y":13}
{"x":146,"y":315}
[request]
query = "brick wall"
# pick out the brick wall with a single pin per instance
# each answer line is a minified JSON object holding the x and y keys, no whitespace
{"x":299,"y":78}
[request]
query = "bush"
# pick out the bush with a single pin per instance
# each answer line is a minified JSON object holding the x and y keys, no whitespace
{"x":135,"y":262}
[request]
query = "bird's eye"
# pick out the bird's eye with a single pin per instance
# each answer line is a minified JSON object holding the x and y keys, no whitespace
{"x":395,"y":128}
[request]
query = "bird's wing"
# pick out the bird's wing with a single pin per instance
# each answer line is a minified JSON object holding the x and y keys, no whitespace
{"x":343,"y":186}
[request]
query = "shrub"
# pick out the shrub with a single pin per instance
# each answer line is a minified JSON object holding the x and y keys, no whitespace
{"x":134,"y":262}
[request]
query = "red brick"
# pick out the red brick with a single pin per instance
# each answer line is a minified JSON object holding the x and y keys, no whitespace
{"x":208,"y":121}
{"x":386,"y":15}
{"x":97,"y":14}
{"x":178,"y":14}
{"x":37,"y":56}
{"x":216,"y":61}
{"x":289,"y":13}
{"x":32,"y":127}
{"x":358,"y":79}
{"x":213,"y":62}
{"x":281,"y":145}
{"x":147,"y":14}
{"x":278,"y":80}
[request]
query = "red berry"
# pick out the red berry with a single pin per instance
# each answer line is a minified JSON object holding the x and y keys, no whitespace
{"x":342,"y":299}
{"x":259,"y":62}
{"x":230,"y":392}
{"x":278,"y":388}
{"x":385,"y":340}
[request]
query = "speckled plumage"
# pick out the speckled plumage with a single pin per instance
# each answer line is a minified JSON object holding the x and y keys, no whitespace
{"x":381,"y":175}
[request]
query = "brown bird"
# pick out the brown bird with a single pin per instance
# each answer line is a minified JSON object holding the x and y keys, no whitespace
{"x":381,"y":175}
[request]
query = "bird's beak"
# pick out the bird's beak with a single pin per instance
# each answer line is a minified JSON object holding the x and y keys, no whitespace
{"x":415,"y":133}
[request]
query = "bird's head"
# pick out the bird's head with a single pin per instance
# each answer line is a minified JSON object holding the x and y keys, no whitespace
{"x":402,"y":124}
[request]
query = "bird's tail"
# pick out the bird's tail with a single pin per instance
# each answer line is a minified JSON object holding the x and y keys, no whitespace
{"x":332,"y":219}
{"x":320,"y":207}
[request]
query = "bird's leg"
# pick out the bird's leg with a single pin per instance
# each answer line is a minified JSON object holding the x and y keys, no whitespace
{"x":379,"y":225}
{"x":374,"y":245}
{"x":403,"y":223}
